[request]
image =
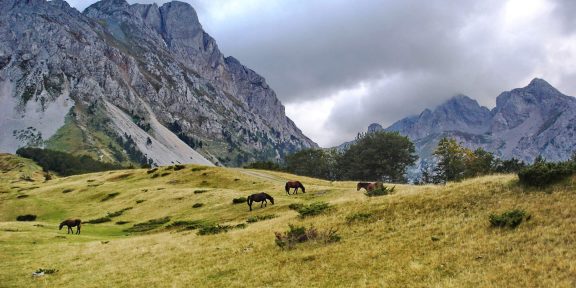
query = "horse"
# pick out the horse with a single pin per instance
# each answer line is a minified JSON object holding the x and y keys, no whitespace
{"x":71,"y":223}
{"x":366,"y":185}
{"x":294,"y":184}
{"x":259,"y":197}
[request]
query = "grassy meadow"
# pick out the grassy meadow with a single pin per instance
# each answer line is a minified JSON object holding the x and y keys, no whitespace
{"x":419,"y":236}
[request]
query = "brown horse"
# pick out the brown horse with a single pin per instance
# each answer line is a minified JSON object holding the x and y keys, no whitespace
{"x":368,"y":186}
{"x":71,"y":223}
{"x":259,"y":197}
{"x":295,"y":185}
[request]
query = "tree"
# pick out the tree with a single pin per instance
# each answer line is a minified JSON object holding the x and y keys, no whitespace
{"x":451,"y":160}
{"x":312,"y":162}
{"x":480,"y":162}
{"x":381,"y":156}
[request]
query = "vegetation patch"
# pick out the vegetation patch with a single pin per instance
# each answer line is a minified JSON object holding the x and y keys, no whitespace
{"x":67,"y":190}
{"x":510,"y":219}
{"x":165,"y":174}
{"x":187,"y":225}
{"x":27,"y":217}
{"x":152,"y":171}
{"x":119,"y":212}
{"x":543,"y":174}
{"x":120,"y":177}
{"x":359,"y":217}
{"x":217,"y":229}
{"x":300,"y":234}
{"x":110,"y":196}
{"x":140,"y":201}
{"x":45,"y":271}
{"x":239,"y":200}
{"x":197,"y":205}
{"x":295,"y":206}
{"x":179,"y":167}
{"x":253,"y":219}
{"x":196,"y":169}
{"x":200,"y":191}
{"x":149,"y":225}
{"x":122,"y":222}
{"x":381,"y":190}
{"x":22,"y":196}
{"x":99,"y":220}
{"x":313,"y":209}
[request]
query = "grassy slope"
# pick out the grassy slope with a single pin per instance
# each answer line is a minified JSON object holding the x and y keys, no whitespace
{"x":394,"y":249}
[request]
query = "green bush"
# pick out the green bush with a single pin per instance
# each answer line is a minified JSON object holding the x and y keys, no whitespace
{"x":200,"y":191}
{"x":178,"y":167}
{"x":299,"y":234}
{"x":216,"y":229}
{"x":152,"y":170}
{"x":313,"y":209}
{"x":381,"y":190}
{"x":187,"y":225}
{"x":99,"y":220}
{"x":359,"y":217}
{"x":110,"y":196}
{"x":510,"y":219}
{"x":295,"y":206}
{"x":239,"y":200}
{"x":27,"y":217}
{"x":254,"y":219}
{"x":197,"y":205}
{"x":542,"y":174}
{"x":149,"y":225}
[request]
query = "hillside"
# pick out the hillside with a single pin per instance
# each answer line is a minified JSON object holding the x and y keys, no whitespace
{"x":420,"y":236}
{"x":132,"y":83}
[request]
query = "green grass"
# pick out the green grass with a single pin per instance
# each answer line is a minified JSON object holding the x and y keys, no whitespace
{"x":419,"y":236}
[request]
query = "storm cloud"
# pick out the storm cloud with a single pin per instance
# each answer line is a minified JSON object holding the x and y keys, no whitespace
{"x":340,"y":65}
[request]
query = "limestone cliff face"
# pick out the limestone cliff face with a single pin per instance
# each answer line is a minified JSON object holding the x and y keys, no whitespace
{"x":526,"y":122}
{"x":155,"y":66}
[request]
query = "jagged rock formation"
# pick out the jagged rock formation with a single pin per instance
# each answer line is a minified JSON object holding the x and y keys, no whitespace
{"x":526,"y":122}
{"x":123,"y":81}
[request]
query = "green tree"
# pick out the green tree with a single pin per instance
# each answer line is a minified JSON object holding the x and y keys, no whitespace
{"x":379,"y":156}
{"x":312,"y":162}
{"x":451,"y":160}
{"x":480,"y":162}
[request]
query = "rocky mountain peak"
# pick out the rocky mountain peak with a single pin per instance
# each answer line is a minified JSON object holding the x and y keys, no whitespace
{"x":375,"y":127}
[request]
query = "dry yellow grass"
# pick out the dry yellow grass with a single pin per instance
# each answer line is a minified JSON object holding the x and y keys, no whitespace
{"x":420,"y":236}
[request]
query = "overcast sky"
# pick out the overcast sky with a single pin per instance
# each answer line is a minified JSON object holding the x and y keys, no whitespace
{"x":339,"y":65}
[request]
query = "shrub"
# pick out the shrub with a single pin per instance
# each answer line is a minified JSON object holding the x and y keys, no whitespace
{"x":152,"y":170}
{"x":381,"y":190}
{"x":149,"y":225}
{"x":510,"y":219}
{"x":99,"y":220}
{"x":359,"y":217}
{"x":313,"y":209}
{"x":27,"y":217}
{"x":197,"y":205}
{"x":295,"y":206}
{"x":68,"y":190}
{"x":110,"y":196}
{"x":239,"y":200}
{"x":195,"y":169}
{"x":122,"y":222}
{"x":118,"y":213}
{"x":22,"y":196}
{"x":140,"y":201}
{"x":216,"y":229}
{"x":187,"y":225}
{"x":165,"y":174}
{"x":254,"y":219}
{"x":200,"y":191}
{"x":299,"y":234}
{"x":542,"y":174}
{"x":179,"y":167}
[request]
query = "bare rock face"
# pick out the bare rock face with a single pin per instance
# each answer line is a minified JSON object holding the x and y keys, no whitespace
{"x":526,"y":122}
{"x":154,"y":66}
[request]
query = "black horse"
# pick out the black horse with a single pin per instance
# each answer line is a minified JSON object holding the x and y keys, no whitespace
{"x":295,"y":185}
{"x":71,"y":223}
{"x":259,"y":197}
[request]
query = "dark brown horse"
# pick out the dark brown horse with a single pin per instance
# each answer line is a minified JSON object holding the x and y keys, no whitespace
{"x":259,"y":197}
{"x":367,"y":185}
{"x":71,"y":223}
{"x":295,"y":185}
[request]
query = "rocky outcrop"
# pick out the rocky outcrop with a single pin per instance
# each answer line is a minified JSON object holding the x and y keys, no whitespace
{"x":156,"y":65}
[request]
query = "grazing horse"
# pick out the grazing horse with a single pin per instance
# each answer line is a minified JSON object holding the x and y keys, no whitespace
{"x":295,"y":185}
{"x":259,"y":197}
{"x":71,"y":223}
{"x":368,"y":186}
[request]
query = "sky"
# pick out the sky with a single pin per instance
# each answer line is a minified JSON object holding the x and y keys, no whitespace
{"x":339,"y":65}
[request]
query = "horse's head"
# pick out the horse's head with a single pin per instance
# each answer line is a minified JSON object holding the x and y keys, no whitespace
{"x":358,"y":186}
{"x":270,"y":198}
{"x":61,"y":225}
{"x":302,"y":186}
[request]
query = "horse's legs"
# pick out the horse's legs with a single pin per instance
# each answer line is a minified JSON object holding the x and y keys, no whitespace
{"x":70,"y":230}
{"x":250,"y":204}
{"x":78,"y":230}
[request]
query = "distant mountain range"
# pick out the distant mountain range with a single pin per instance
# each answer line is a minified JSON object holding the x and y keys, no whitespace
{"x":132,"y":83}
{"x":526,"y":122}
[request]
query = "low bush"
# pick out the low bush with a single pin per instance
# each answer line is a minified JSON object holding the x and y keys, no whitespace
{"x":122,"y":222}
{"x":140,"y":201}
{"x":110,"y":196}
{"x":149,"y":225}
{"x":295,"y":206}
{"x":359,"y":217}
{"x":510,"y":219}
{"x":196,"y":169}
{"x":239,"y":200}
{"x":254,"y":219}
{"x":27,"y":217}
{"x":542,"y":174}
{"x":200,"y":191}
{"x":313,"y":209}
{"x":187,"y":225}
{"x":216,"y":229}
{"x":197,"y":205}
{"x":380,"y":190}
{"x":152,"y":170}
{"x":68,"y":190}
{"x":299,"y":234}
{"x":99,"y":220}
{"x":178,"y":167}
{"x":118,"y":213}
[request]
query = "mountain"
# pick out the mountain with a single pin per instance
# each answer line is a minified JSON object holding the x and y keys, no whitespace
{"x":132,"y":83}
{"x":526,"y":122}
